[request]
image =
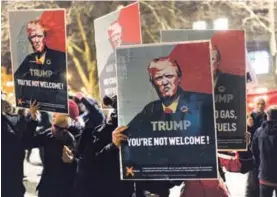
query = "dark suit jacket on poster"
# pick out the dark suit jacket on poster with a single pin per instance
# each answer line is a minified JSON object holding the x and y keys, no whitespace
{"x":200,"y":114}
{"x":105,"y":74}
{"x":55,"y":61}
{"x":235,"y":85}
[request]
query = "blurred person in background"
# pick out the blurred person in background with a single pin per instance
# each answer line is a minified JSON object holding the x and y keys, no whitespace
{"x":59,"y":145}
{"x":254,"y":121}
{"x":93,"y":116}
{"x":257,"y":117}
{"x":264,"y":148}
{"x":13,"y":129}
{"x":101,"y":164}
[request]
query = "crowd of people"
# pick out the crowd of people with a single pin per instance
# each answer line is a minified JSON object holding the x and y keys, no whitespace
{"x":81,"y":154}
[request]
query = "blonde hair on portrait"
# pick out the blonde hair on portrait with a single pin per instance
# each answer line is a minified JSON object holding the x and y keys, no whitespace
{"x":162,"y":63}
{"x":34,"y":25}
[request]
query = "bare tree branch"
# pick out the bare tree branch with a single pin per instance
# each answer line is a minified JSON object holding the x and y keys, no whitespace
{"x":82,"y":31}
{"x":245,"y":20}
{"x":71,"y":43}
{"x":252,"y":14}
{"x":150,"y":34}
{"x":264,"y":18}
{"x":172,"y":11}
{"x":164,"y":25}
{"x":78,"y":66}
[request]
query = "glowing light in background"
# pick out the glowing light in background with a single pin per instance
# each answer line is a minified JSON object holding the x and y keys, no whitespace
{"x":68,"y":76}
{"x":221,"y":24}
{"x":199,"y":25}
{"x":9,"y":83}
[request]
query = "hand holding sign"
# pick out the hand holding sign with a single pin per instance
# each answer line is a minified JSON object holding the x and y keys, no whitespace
{"x":118,"y":135}
{"x":250,"y":121}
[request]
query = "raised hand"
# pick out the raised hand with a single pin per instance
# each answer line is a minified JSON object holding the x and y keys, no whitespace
{"x":34,"y":109}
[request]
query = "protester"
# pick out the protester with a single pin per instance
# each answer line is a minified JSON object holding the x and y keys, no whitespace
{"x":257,"y":117}
{"x":92,"y":116}
{"x":59,"y":144}
{"x":13,"y":127}
{"x":102,"y":170}
{"x":77,"y":124}
{"x":254,"y":121}
{"x":264,"y":148}
{"x":89,"y":110}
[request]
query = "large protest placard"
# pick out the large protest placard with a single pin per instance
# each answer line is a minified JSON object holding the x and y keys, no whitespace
{"x":121,"y":27}
{"x":165,"y":96}
{"x":229,"y":66}
{"x":38,"y":43}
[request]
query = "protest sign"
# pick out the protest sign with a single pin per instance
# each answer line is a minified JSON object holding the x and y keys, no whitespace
{"x":165,"y":96}
{"x":38,"y":43}
{"x":229,"y":65}
{"x":121,"y":27}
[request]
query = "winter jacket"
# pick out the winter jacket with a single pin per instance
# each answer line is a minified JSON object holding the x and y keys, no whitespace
{"x":101,"y":167}
{"x":57,"y":178}
{"x":102,"y":170}
{"x":258,"y":120}
{"x":13,"y":130}
{"x":216,"y":188}
{"x":264,"y":148}
{"x":93,"y":118}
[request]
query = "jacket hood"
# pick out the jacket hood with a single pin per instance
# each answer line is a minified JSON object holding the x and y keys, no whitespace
{"x":113,"y":119}
{"x":270,"y":127}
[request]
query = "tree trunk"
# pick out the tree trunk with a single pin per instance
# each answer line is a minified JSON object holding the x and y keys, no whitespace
{"x":274,"y":58}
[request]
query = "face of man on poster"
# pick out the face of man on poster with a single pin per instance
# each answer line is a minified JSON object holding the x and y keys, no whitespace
{"x":165,"y":76}
{"x":115,"y":34}
{"x":37,"y":36}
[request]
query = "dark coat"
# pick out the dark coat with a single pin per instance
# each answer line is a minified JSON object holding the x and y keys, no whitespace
{"x":200,"y":111}
{"x":258,"y":121}
{"x":55,"y":61}
{"x":57,"y":178}
{"x":92,"y":118}
{"x":13,"y":129}
{"x":102,"y":170}
{"x":264,"y":148}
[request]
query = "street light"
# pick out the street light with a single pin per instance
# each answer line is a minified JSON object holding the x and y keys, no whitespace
{"x":120,"y":7}
{"x":83,"y":89}
{"x":9,"y":83}
{"x":68,"y":76}
{"x":221,"y":24}
{"x":199,"y":25}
